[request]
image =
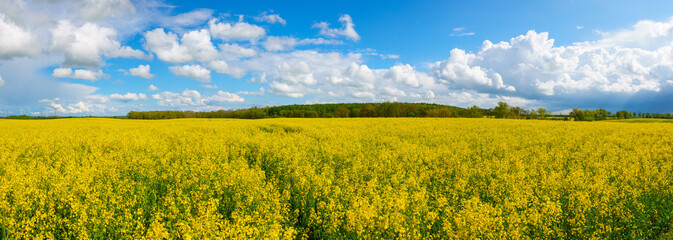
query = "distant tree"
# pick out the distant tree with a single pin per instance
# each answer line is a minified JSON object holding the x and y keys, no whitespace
{"x":254,"y":113}
{"x":343,"y":112}
{"x":189,"y":114}
{"x":474,"y":112}
{"x":532,"y":114}
{"x":542,"y":112}
{"x":432,"y":113}
{"x":368,"y":110}
{"x":601,"y":114}
{"x":444,"y":112}
{"x":310,"y":114}
{"x":502,"y":110}
{"x":623,"y":115}
{"x":577,"y":114}
{"x":356,"y":112}
{"x":395,"y":110}
{"x":517,"y":112}
{"x":413,"y":110}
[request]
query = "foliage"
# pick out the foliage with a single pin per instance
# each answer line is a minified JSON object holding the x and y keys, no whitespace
{"x":29,"y":117}
{"x":385,"y":109}
{"x":365,"y":178}
{"x":599,"y":114}
{"x":394,"y":109}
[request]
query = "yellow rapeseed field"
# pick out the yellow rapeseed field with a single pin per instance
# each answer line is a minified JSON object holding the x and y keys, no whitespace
{"x":335,"y":178}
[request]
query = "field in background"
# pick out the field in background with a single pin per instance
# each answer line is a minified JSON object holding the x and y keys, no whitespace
{"x":335,"y":178}
{"x":643,"y":120}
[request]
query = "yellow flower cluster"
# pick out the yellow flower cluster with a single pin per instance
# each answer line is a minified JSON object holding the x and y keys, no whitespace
{"x":334,"y":178}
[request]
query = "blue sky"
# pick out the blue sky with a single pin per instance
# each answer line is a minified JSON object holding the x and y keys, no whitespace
{"x":84,"y":57}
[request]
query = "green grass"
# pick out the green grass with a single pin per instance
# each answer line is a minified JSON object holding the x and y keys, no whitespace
{"x":643,"y":120}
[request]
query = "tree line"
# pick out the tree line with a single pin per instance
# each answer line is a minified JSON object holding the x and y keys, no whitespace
{"x":24,"y":117}
{"x":393,"y":109}
{"x":337,"y":110}
{"x":602,"y":114}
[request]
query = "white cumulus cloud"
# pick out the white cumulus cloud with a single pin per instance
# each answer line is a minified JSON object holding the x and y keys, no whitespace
{"x":347,"y":28}
{"x":222,"y":67}
{"x":142,"y":71}
{"x":235,"y":31}
{"x":405,"y":74}
{"x":84,"y":74}
{"x":92,"y":105}
{"x":237,"y":51}
{"x":300,"y":74}
{"x":166,"y":46}
{"x":256,"y":93}
{"x":199,"y":45}
{"x":270,"y":18}
{"x":192,"y":98}
{"x":16,"y":41}
{"x":223,"y":96}
{"x":128,"y":52}
{"x":128,"y":97}
{"x":84,"y":45}
{"x":195,"y":72}
{"x":188,"y":19}
{"x":458,"y":74}
{"x":185,"y":98}
{"x":194,"y":46}
{"x":617,"y":70}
